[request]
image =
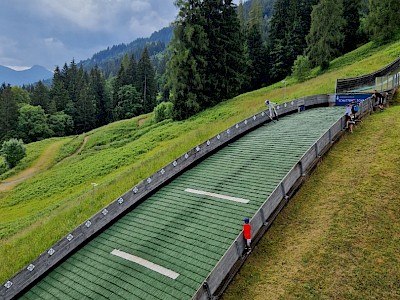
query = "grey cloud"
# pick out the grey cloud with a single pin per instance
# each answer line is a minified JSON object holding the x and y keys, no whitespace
{"x":51,"y":32}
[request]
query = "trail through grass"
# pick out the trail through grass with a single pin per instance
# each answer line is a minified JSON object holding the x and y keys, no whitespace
{"x":339,"y":237}
{"x":44,"y":162}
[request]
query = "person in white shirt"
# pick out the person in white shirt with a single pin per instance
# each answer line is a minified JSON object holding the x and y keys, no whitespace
{"x":349,"y":118}
{"x":272,"y":110}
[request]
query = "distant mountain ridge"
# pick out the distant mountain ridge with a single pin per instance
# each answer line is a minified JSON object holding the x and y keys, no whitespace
{"x":109,"y":60}
{"x":29,"y":76}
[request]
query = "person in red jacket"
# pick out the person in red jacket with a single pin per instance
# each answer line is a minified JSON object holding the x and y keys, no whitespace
{"x":247,"y":234}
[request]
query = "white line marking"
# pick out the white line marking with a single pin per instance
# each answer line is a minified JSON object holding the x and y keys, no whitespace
{"x":241,"y":200}
{"x":145,"y":263}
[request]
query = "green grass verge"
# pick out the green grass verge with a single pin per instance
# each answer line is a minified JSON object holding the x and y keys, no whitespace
{"x":33,"y":151}
{"x":338,"y":238}
{"x":42,"y":209}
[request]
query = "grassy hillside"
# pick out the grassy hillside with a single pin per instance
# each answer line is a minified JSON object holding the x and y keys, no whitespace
{"x":44,"y":208}
{"x":338,"y":238}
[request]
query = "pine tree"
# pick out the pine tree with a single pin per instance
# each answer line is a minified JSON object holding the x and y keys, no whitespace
{"x":127,"y":75}
{"x":235,"y":62}
{"x":256,"y":17}
{"x":258,"y":58}
{"x":225,"y":51}
{"x":326,"y":33}
{"x":97,"y":85}
{"x":85,"y":116}
{"x":383,"y":22}
{"x":215,"y":54}
{"x":242,"y":17}
{"x":72,"y":81}
{"x":118,"y":82}
{"x":257,"y":55}
{"x":146,"y":82}
{"x":290,"y":25}
{"x":8,"y":113}
{"x":131,"y":71}
{"x":41,"y":97}
{"x":351,"y":30}
{"x":186,"y":68}
{"x":277,"y":41}
{"x":129,"y":103}
{"x":207,"y":56}
{"x":58,"y":92}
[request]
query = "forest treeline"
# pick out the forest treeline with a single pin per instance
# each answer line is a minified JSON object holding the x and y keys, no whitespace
{"x":218,"y":50}
{"x":77,"y":100}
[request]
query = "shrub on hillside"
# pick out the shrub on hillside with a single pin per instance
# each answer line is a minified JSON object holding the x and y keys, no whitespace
{"x":301,"y":68}
{"x":163,"y":111}
{"x":13,"y":151}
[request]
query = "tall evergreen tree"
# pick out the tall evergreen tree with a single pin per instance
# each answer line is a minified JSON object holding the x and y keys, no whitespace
{"x":85,"y":116}
{"x":383,"y":21}
{"x":277,"y":41}
{"x":235,"y":62}
{"x":242,"y":17}
{"x":225,"y":52}
{"x":257,"y":55}
{"x":290,"y":25}
{"x":129,"y":103}
{"x":258,"y":59}
{"x":326,"y":33}
{"x":186,"y":68}
{"x":72,"y":81}
{"x":161,"y":78}
{"x":59,"y":93}
{"x":146,"y":82}
{"x":127,"y":75}
{"x":256,"y":17}
{"x":351,"y":29}
{"x":8,"y":113}
{"x":131,"y":71}
{"x":215,"y":54}
{"x":41,"y":97}
{"x":206,"y":48}
{"x":118,"y":82}
{"x":103,"y":103}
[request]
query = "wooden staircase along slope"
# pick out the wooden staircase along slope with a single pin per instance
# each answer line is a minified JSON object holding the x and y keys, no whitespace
{"x":227,"y":266}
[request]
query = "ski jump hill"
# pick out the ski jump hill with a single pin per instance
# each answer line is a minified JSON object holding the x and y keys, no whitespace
{"x":178,"y":234}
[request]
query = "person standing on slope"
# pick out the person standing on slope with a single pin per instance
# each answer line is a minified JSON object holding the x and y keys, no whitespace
{"x":271,"y":109}
{"x":247,"y":234}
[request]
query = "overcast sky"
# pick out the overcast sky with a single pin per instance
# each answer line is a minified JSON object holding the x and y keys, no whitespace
{"x":52,"y":32}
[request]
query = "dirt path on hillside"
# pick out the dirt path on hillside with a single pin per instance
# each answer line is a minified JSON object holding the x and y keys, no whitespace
{"x":81,"y":147}
{"x":77,"y":151}
{"x":141,"y":121}
{"x":42,"y":163}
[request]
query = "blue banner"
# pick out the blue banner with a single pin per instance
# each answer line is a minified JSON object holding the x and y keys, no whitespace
{"x":343,"y":100}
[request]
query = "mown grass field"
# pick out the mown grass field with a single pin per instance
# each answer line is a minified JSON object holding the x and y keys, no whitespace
{"x":339,"y":237}
{"x":44,"y":208}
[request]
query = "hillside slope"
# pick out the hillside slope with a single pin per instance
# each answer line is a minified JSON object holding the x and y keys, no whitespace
{"x":42,"y":209}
